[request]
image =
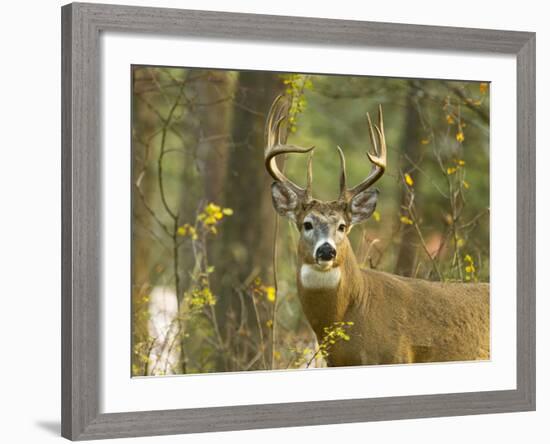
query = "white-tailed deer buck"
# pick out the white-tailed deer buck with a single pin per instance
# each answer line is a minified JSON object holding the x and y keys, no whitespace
{"x":395,"y":319}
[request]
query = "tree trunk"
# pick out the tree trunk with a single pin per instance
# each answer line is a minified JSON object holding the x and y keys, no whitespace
{"x":408,"y":251}
{"x":213,"y":108}
{"x":143,"y":124}
{"x":244,"y":247}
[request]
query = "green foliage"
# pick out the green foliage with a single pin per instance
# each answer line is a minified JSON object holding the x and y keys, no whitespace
{"x":332,"y":334}
{"x":295,"y":86}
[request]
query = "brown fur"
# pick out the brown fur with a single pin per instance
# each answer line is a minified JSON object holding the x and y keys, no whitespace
{"x":398,"y":319}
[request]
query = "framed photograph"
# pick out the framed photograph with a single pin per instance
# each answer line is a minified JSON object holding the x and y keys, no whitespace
{"x":278,"y":221}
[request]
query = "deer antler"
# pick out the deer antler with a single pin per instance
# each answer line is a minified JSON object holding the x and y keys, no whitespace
{"x":378,"y":159}
{"x":276,"y":136}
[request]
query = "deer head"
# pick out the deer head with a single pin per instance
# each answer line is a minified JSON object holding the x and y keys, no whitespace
{"x":323,"y":225}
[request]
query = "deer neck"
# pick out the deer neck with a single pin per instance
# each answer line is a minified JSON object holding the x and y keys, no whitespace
{"x":326,"y":296}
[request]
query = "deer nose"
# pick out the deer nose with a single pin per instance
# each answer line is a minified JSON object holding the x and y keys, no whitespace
{"x":325,"y":252}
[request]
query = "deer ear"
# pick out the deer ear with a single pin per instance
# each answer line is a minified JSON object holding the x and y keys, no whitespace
{"x":285,"y":200}
{"x":362,"y":206}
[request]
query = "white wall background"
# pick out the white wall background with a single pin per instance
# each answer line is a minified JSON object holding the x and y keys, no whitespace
{"x":30,"y":220}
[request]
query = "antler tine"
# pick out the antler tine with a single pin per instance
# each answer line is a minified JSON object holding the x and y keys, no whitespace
{"x":276,"y":136}
{"x":343,"y":187}
{"x":371,"y":135}
{"x":309,"y":193}
{"x":378,"y":159}
{"x":381,"y":156}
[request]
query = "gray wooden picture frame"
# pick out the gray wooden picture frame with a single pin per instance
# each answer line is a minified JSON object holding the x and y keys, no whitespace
{"x":81,"y":231}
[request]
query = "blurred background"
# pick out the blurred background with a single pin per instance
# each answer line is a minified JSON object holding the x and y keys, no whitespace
{"x":205,"y":297}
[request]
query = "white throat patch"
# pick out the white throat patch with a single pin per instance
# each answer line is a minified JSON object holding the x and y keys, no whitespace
{"x":311,"y":277}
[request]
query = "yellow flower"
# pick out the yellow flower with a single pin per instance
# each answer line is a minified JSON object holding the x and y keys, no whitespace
{"x":451,"y":170}
{"x":466,"y":184}
{"x":270,"y":293}
{"x":460,"y":136}
{"x":469,"y":268}
{"x":409,"y":180}
{"x":376,"y":216}
{"x":425,"y":141}
{"x":188,"y":230}
{"x":483,"y":87}
{"x":450,"y":119}
{"x":212,"y":208}
{"x":211,"y":215}
{"x":200,"y":297}
{"x":269,"y":323}
{"x":405,"y":220}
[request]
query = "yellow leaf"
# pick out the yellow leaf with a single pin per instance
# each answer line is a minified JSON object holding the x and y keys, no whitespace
{"x":425,"y":141}
{"x":483,"y":87}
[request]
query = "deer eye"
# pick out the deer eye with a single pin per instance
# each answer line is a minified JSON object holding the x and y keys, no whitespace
{"x":342,"y":227}
{"x":308,"y":226}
